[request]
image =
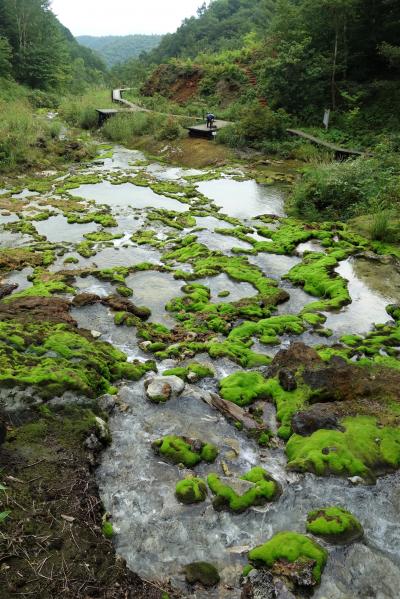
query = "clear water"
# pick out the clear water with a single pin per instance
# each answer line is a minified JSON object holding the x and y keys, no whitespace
{"x":127,"y":194}
{"x":243,"y":199}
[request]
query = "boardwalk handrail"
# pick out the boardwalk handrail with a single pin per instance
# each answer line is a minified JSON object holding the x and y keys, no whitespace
{"x":321,"y":142}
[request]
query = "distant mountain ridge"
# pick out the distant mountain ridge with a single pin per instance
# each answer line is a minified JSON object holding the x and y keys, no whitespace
{"x":115,"y":49}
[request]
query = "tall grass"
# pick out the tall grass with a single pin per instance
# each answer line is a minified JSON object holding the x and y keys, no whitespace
{"x":125,"y":128}
{"x":81,"y":111}
{"x":19,"y":131}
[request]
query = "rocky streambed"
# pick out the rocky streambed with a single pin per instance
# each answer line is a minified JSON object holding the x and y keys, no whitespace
{"x":241,"y":354}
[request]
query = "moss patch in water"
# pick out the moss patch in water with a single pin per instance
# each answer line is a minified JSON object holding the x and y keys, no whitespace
{"x":287,"y":403}
{"x":267,"y":330}
{"x":181,"y":450}
{"x":335,"y":525}
{"x":191,"y":490}
{"x":102,"y":236}
{"x":55,"y":358}
{"x":124,"y":291}
{"x":242,"y":388}
{"x":315,"y":275}
{"x":199,"y":370}
{"x":290,"y":547}
{"x":202,"y":572}
{"x":364,"y":449}
{"x":86,"y":249}
{"x":103,"y":218}
{"x":41,"y":289}
{"x":265,"y":489}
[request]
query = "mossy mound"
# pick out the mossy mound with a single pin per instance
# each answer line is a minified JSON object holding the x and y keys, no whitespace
{"x":363,"y":449}
{"x":202,"y":572}
{"x":264,"y":489}
{"x":293,"y":548}
{"x":191,"y":490}
{"x":192,"y":372}
{"x":316,"y":275}
{"x":55,"y":358}
{"x":181,"y":450}
{"x":335,"y":525}
{"x":242,"y":388}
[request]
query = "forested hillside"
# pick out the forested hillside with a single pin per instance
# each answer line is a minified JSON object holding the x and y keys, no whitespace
{"x":36,"y":50}
{"x":114,"y":49}
{"x":297,"y":55}
{"x":221,"y":26}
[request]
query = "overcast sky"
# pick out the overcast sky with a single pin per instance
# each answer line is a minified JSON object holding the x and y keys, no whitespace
{"x":123,"y":17}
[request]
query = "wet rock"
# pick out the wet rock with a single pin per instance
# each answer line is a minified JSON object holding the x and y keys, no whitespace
{"x":287,"y":380}
{"x":292,"y":358}
{"x":334,"y":525}
{"x":96,"y":334}
{"x":92,"y":443}
{"x":356,"y":480}
{"x":306,"y":423}
{"x":121,"y":304}
{"x":85,"y":299}
{"x":203,"y":573}
{"x":107,"y":403}
{"x":239,"y":486}
{"x":160,"y":389}
{"x":7,"y":289}
{"x":260,"y":584}
{"x":50,"y":309}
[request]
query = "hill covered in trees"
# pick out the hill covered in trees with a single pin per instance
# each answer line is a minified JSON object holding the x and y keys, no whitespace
{"x":301,"y":56}
{"x":114,"y":49}
{"x":36,"y":50}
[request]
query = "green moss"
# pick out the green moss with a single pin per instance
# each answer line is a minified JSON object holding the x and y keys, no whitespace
{"x":71,"y":260}
{"x":363,"y":449}
{"x":202,"y":572}
{"x":86,"y":249}
{"x":292,"y":547}
{"x":224,"y":293}
{"x":103,"y":218}
{"x":315,"y":274}
{"x":108,"y":530}
{"x":246,"y":570}
{"x":287,"y":403}
{"x":102,"y":236}
{"x":180,"y":450}
{"x":265,"y":489}
{"x":125,"y":291}
{"x":263,"y":439}
{"x":242,"y":388}
{"x":191,"y":490}
{"x":334,"y":524}
{"x":55,"y":358}
{"x":41,"y":289}
{"x":267,"y":330}
{"x":199,"y":370}
{"x":237,"y":352}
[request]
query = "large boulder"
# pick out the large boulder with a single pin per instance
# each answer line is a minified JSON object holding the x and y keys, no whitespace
{"x":160,"y":389}
{"x":307,"y":422}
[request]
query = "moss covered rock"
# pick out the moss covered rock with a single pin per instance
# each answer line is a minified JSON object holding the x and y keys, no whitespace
{"x":335,"y":525}
{"x":242,"y":388}
{"x":191,"y":490}
{"x":293,"y":556}
{"x":202,"y":572}
{"x":256,"y":487}
{"x":363,"y":449}
{"x":182,"y":450}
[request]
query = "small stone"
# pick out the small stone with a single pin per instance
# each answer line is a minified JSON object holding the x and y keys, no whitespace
{"x":192,"y":377}
{"x":202,"y":572}
{"x":160,"y":389}
{"x":287,"y":380}
{"x":144,"y":345}
{"x":356,"y":480}
{"x":107,"y":403}
{"x":96,"y":334}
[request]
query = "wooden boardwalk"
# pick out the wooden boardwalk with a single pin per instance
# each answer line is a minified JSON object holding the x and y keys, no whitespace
{"x":340,"y":153}
{"x":204,"y":131}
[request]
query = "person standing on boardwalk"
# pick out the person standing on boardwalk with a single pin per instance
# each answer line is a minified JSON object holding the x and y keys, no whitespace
{"x":210,"y":120}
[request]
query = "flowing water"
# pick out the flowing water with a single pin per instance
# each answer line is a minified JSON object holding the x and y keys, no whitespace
{"x":154,"y":533}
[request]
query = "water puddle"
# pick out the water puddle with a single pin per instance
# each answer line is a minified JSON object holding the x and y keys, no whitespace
{"x":127,"y":194}
{"x":56,"y":229}
{"x":155,"y":290}
{"x":243,"y":199}
{"x":221,"y":283}
{"x":368,"y":305}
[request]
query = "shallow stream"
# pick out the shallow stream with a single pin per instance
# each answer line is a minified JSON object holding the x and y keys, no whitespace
{"x":154,"y":533}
